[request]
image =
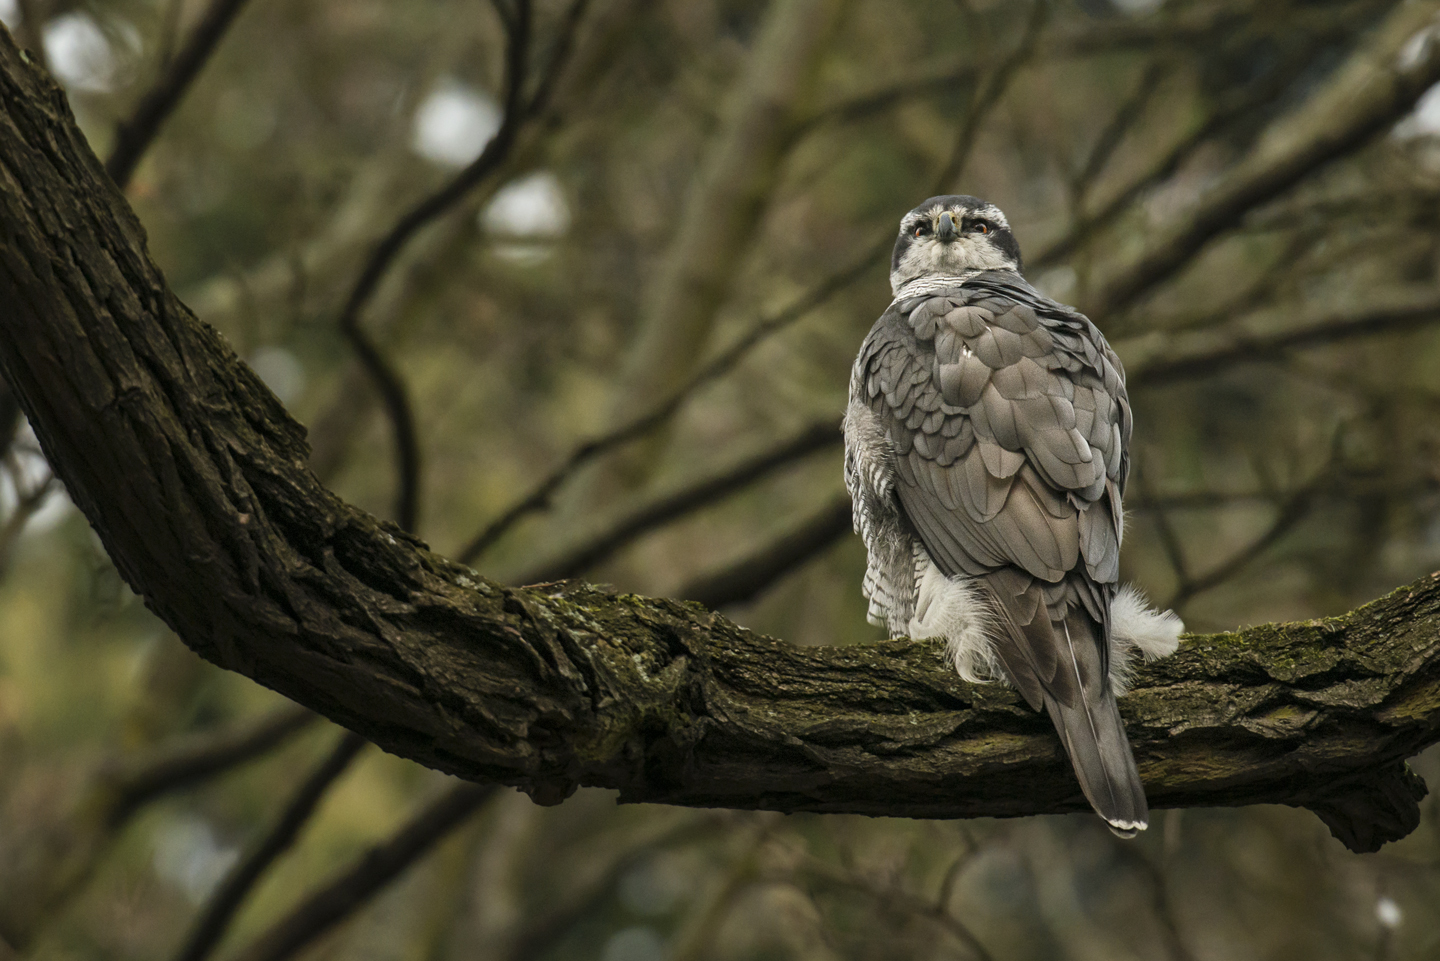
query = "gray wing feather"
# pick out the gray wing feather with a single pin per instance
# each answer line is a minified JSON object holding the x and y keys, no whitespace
{"x":989,"y":390}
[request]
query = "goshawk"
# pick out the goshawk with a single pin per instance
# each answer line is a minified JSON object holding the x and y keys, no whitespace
{"x":986,"y":449}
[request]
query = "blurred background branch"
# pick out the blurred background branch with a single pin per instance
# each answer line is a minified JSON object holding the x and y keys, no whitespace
{"x":134,"y":135}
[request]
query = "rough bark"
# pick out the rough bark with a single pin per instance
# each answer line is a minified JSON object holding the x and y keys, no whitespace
{"x":196,"y":480}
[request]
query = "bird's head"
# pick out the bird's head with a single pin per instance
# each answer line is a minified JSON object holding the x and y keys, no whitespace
{"x":950,"y":236}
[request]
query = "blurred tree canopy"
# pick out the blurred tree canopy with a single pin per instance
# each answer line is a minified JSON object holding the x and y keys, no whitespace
{"x":571,"y":289}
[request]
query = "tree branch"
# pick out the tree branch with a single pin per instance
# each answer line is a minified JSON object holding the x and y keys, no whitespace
{"x":353,"y":888}
{"x":55,"y":859}
{"x":1233,"y":108}
{"x":222,"y":906}
{"x":672,"y":505}
{"x":234,"y":543}
{"x":133,"y":783}
{"x":1157,"y":359}
{"x":1378,"y":85}
{"x":542,"y":494}
{"x":387,"y":380}
{"x":133,"y":136}
{"x":743,"y":580}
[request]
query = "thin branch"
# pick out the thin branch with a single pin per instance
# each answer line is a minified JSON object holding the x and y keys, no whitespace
{"x":1124,"y":120}
{"x":28,"y":33}
{"x":991,"y":90}
{"x":679,"y":503}
{"x":558,"y":918}
{"x":134,"y":135}
{"x":744,"y":579}
{"x":1157,"y":882}
{"x":1086,"y":227}
{"x":1293,"y":510}
{"x":386,"y":377}
{"x":559,"y":58}
{"x":1159,"y":360}
{"x":71,"y":846}
{"x":175,"y":766}
{"x":1319,"y":29}
{"x":352,"y":888}
{"x":894,"y":898}
{"x":541,"y":496}
{"x":1169,"y":541}
{"x":223,"y":905}
{"x":698,"y":930}
{"x":1379,"y":84}
{"x":27,"y":503}
{"x":880,"y":100}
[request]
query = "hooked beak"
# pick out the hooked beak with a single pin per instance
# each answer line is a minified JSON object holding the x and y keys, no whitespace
{"x":947,"y":230}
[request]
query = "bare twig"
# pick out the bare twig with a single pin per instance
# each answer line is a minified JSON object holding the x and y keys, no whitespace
{"x":352,"y":888}
{"x":1158,"y":884}
{"x":1234,"y":107}
{"x":1378,"y":85}
{"x":136,"y":782}
{"x":675,"y":504}
{"x":883,"y":99}
{"x":1126,"y":117}
{"x":1087,"y":226}
{"x":540,"y":497}
{"x":1202,"y":353}
{"x":1169,"y":540}
{"x":387,"y":380}
{"x":541,"y":932}
{"x":71,"y":846}
{"x":27,"y":32}
{"x":134,"y":135}
{"x":1295,"y":508}
{"x":992,"y":88}
{"x":220,"y":910}
{"x":742,"y":580}
{"x":699,"y":929}
{"x":893,"y":898}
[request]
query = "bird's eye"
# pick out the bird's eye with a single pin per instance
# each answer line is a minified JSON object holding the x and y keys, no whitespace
{"x":921,"y":229}
{"x":981,"y":227}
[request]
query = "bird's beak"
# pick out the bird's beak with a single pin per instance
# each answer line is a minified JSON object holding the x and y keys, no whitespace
{"x":947,"y":230}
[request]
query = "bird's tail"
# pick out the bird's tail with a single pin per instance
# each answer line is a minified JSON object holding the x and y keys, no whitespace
{"x":1063,"y":664}
{"x":1094,"y":737}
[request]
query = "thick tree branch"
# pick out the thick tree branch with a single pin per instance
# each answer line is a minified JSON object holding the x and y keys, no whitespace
{"x":218,"y":523}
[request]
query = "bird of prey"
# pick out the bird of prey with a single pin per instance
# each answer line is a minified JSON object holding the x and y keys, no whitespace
{"x":986,"y":449}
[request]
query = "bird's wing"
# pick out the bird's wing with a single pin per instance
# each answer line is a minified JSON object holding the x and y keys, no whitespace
{"x":1009,"y":423}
